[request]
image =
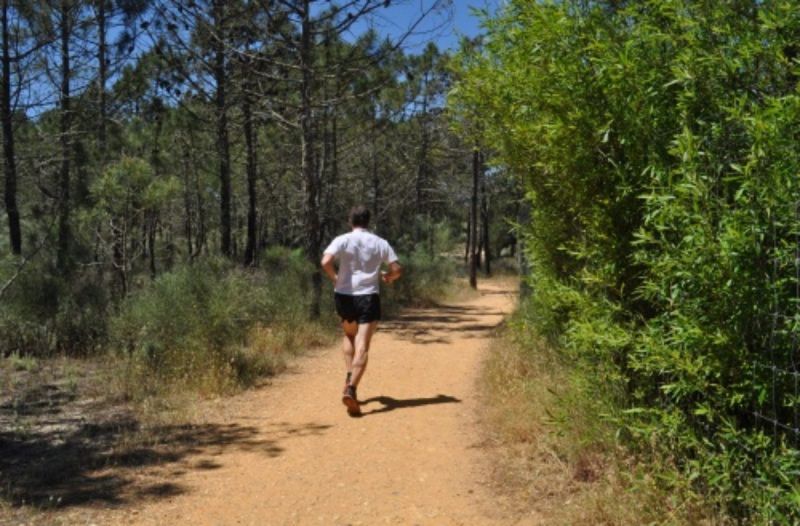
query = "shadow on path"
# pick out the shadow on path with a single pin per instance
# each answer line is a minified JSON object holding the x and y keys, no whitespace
{"x":435,"y":325}
{"x":390,"y":404}
{"x":54,"y":454}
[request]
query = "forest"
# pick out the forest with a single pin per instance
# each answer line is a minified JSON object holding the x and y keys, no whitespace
{"x":163,"y":159}
{"x":173,"y":170}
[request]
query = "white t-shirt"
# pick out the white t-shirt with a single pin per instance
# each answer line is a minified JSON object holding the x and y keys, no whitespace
{"x":360,"y":254}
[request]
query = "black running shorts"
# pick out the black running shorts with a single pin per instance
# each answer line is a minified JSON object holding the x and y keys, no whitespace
{"x":361,"y":309}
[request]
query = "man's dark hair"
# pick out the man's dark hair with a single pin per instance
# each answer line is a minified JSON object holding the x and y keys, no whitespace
{"x":359,"y":216}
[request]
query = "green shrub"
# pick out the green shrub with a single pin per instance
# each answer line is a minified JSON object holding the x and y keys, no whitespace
{"x":429,"y":268}
{"x":43,"y":314}
{"x":657,"y":144}
{"x":285,"y":261}
{"x":195,"y":325}
{"x":426,"y":280}
{"x":214,"y":327}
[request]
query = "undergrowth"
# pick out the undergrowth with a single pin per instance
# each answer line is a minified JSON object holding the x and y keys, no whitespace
{"x":213,"y":328}
{"x":428,"y":271}
{"x":197,"y":332}
{"x":560,"y":454}
{"x":427,"y":280}
{"x":655,"y":143}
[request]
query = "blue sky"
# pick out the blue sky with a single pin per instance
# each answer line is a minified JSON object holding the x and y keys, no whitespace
{"x":444,"y":27}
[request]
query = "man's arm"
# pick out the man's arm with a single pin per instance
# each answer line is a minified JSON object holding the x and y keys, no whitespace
{"x":395,"y":271}
{"x":327,"y":267}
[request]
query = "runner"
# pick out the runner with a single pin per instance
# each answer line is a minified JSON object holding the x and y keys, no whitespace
{"x":356,"y":292}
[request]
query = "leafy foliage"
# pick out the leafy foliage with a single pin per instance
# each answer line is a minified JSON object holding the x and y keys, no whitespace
{"x":195,"y":326}
{"x":428,"y":270}
{"x":44,"y":314}
{"x":657,"y":144}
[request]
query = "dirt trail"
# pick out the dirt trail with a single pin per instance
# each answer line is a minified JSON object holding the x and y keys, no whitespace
{"x":413,"y":458}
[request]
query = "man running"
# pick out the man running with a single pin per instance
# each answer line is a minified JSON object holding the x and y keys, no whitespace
{"x":356,"y":287}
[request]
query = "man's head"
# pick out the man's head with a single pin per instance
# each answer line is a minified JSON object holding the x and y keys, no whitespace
{"x":359,"y":216}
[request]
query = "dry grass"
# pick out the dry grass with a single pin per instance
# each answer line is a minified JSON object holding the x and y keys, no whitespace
{"x":91,"y":432}
{"x":557,"y":459}
{"x":460,"y":291}
{"x":264,"y":354}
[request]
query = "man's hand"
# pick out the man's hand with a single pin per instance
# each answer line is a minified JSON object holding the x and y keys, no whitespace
{"x":395,"y":271}
{"x":327,"y":266}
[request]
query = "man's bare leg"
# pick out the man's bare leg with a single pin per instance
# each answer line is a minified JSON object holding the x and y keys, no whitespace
{"x":348,"y":347}
{"x":362,"y":341}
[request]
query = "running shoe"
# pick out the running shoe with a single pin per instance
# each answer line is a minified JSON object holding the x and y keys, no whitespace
{"x":350,"y":399}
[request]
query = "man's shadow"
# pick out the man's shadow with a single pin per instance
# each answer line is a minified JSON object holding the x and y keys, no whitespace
{"x":390,"y":404}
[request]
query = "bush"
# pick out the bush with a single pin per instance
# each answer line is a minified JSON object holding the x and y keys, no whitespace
{"x":429,"y":268}
{"x":213,"y":327}
{"x":557,"y":425}
{"x":43,"y":314}
{"x":426,"y":280}
{"x":657,"y":144}
{"x":202,"y":326}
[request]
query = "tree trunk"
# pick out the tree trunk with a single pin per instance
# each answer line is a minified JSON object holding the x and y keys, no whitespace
{"x":333,"y":174}
{"x":263,"y":233}
{"x":187,"y":203}
{"x":307,"y":162}
{"x":120,"y":261}
{"x":468,"y":249}
{"x":479,"y":249}
{"x":201,"y":241}
{"x":487,"y":252}
{"x":151,"y":220}
{"x":422,"y":163}
{"x":235,"y":234}
{"x":327,"y":168}
{"x":323,"y":170}
{"x":101,"y":80}
{"x":376,"y":183}
{"x":10,"y":162}
{"x":64,"y":233}
{"x":252,"y":166}
{"x":223,"y":146}
{"x":473,"y":261}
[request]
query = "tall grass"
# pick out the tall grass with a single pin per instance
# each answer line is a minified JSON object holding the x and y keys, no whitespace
{"x":558,"y":449}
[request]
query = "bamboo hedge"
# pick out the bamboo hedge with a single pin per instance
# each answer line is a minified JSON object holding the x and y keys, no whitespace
{"x":657,"y":142}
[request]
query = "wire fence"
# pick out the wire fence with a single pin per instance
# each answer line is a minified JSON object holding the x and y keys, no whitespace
{"x":777,"y":404}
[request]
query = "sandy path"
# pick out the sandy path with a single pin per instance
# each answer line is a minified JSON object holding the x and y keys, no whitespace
{"x":413,"y":458}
